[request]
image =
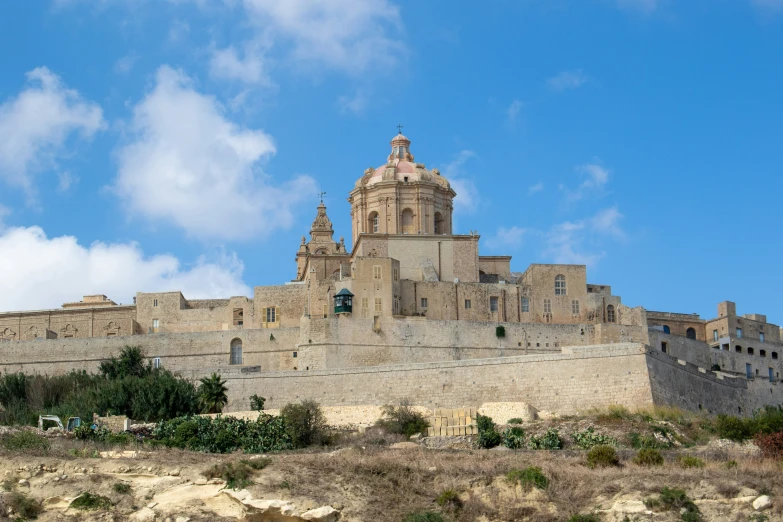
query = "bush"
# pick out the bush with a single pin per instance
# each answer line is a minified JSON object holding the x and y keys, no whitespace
{"x":449,"y":499}
{"x":639,"y":441}
{"x":488,"y":436}
{"x":584,"y":518}
{"x":528,"y":478}
{"x":549,"y":441}
{"x":500,"y":331}
{"x":130,"y":363}
{"x":91,"y":502}
{"x":588,"y":438}
{"x":402,"y":419}
{"x":734,"y":428}
{"x":424,"y":516}
{"x":24,"y":441}
{"x":514,"y":438}
{"x":224,"y":434}
{"x":648,"y":457}
{"x":305,"y":423}
{"x":24,"y":506}
{"x":121,"y":488}
{"x":618,"y":411}
{"x":771,"y":445}
{"x":673,"y":499}
{"x":257,"y":403}
{"x":515,"y":420}
{"x":688,"y":461}
{"x":237,"y":475}
{"x":602,"y":456}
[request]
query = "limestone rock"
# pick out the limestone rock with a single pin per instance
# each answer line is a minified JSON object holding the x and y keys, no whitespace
{"x":629,"y":506}
{"x":762,"y":503}
{"x":404,"y":445}
{"x":321,"y":514}
{"x":143,"y":515}
{"x":24,"y":483}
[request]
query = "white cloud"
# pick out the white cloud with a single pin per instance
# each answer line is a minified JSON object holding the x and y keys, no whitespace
{"x":645,"y":6}
{"x":595,"y":179}
{"x":124,"y":65}
{"x":506,"y":237}
{"x":579,"y":242}
{"x":467,"y":193}
{"x":178,"y":31}
{"x":65,"y":181}
{"x":36,"y":124}
{"x":189,"y":165}
{"x":226,"y":64}
{"x":41,"y":272}
{"x":567,"y":80}
{"x":513,"y":110}
{"x":538,"y":187}
{"x":344,"y":34}
{"x":355,"y":104}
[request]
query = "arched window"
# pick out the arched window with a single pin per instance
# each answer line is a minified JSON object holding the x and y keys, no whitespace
{"x":750,"y":350}
{"x":738,"y":349}
{"x":236,"y":351}
{"x":439,"y":223}
{"x":690,"y":333}
{"x":762,"y":353}
{"x":610,"y":314}
{"x":407,"y":222}
{"x":666,"y":329}
{"x":374,"y":223}
{"x":774,"y":355}
{"x":560,"y":285}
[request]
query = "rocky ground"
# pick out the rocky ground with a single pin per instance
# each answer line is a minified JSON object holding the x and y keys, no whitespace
{"x":376,"y":477}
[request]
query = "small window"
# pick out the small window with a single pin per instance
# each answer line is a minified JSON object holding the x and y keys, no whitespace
{"x":493,"y":304}
{"x":748,"y":371}
{"x":771,"y":375}
{"x":525,"y":304}
{"x":738,"y":349}
{"x":396,"y":274}
{"x":575,"y":307}
{"x":154,"y":302}
{"x":271,"y":315}
{"x":762,"y":353}
{"x":376,"y":272}
{"x":761,"y":336}
{"x":560,"y":285}
{"x":610,"y":314}
{"x":424,"y":302}
{"x":750,"y":350}
{"x":365,"y":303}
{"x":775,"y":355}
{"x":155,"y":323}
{"x":715,"y":335}
{"x":236,"y":352}
{"x":378,"y":304}
{"x":666,"y":329}
{"x":664,"y":347}
{"x":376,"y":224}
{"x":326,"y":311}
{"x":547,"y":306}
{"x":156,"y":362}
{"x":295,"y":355}
{"x":690,"y":333}
{"x":467,"y":304}
{"x":739,"y":333}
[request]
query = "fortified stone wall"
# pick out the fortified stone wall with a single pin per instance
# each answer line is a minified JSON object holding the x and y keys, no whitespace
{"x":590,"y":377}
{"x":71,"y":322}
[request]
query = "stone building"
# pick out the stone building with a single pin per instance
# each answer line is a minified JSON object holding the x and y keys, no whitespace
{"x":420,"y":304}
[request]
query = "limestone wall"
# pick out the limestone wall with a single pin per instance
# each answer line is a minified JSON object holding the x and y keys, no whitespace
{"x":589,"y":377}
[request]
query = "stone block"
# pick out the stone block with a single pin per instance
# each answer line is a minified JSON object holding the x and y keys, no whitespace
{"x":431,"y":431}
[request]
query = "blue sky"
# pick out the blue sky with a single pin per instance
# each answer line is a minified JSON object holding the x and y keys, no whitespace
{"x":179,"y":144}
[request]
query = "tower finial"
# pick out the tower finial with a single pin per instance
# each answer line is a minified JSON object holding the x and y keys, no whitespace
{"x":321,"y":195}
{"x":399,"y":129}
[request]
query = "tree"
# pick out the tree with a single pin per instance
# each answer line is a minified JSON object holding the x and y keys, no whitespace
{"x":212,"y":394}
{"x":130,"y":363}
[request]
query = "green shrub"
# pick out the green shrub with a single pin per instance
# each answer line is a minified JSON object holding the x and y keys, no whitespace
{"x":24,"y":441}
{"x":449,"y":499}
{"x":488,"y":436}
{"x":224,"y":434}
{"x":130,"y":363}
{"x":424,"y":516}
{"x":617,"y":411}
{"x":237,"y":475}
{"x":528,"y":478}
{"x":734,"y":428}
{"x":257,"y":403}
{"x":122,"y":488}
{"x":25,"y":507}
{"x":648,"y":457}
{"x":732,"y":464}
{"x":515,"y":420}
{"x":549,"y":441}
{"x":673,"y":499}
{"x":602,"y":456}
{"x":689,"y":461}
{"x":402,"y":419}
{"x":588,"y":438}
{"x":91,"y":502}
{"x":500,"y":331}
{"x":584,"y":518}
{"x":514,"y":438}
{"x":639,"y":441}
{"x":305,"y":423}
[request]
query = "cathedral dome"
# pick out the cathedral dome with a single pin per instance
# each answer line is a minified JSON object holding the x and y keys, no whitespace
{"x":401,"y":167}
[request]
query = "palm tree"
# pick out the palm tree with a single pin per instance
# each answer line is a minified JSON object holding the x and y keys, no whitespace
{"x":212,"y":394}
